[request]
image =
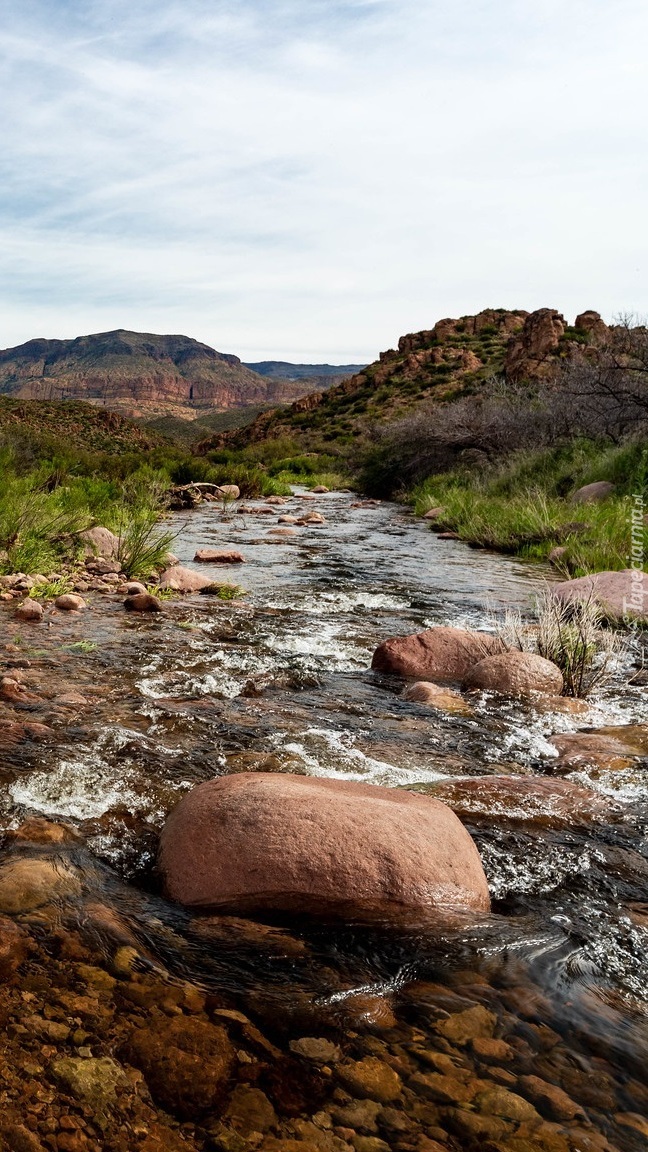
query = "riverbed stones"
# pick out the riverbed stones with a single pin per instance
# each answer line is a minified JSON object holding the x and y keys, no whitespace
{"x":94,"y":1081}
{"x":15,"y":947}
{"x":30,"y":611}
{"x":370,"y":1079}
{"x":620,"y":595}
{"x":441,"y":653}
{"x":69,"y":602}
{"x":218,"y":556}
{"x":187,"y":1063}
{"x":515,"y":673}
{"x":262,"y":841}
{"x":550,"y":1099}
{"x":463,"y":1027}
{"x":184,"y":580}
{"x":316,"y":1048}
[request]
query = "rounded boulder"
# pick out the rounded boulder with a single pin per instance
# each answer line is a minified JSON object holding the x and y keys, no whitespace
{"x":515,"y":673}
{"x":437,"y":654}
{"x":259,"y":841}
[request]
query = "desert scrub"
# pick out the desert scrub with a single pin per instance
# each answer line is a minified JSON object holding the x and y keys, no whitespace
{"x":572,"y":636}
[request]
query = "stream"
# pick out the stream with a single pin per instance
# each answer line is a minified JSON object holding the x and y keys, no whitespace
{"x":138,"y":709}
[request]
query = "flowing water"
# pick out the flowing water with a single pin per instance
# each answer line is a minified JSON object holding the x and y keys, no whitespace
{"x":139,"y":709}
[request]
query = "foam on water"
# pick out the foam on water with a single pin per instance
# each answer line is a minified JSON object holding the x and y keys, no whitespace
{"x":333,"y":754}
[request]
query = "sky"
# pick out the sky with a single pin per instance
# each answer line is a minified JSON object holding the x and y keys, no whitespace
{"x":310,"y":179}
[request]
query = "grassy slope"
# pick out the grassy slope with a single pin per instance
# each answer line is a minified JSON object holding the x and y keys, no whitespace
{"x":524,"y":507}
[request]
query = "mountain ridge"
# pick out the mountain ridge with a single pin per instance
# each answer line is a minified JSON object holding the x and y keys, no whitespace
{"x":139,"y":374}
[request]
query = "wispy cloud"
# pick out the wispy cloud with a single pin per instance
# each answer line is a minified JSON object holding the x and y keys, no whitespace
{"x":312,"y":179}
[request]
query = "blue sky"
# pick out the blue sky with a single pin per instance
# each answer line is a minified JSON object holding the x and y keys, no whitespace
{"x":310,"y":180}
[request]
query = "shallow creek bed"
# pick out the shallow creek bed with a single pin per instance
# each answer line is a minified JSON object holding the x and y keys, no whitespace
{"x":129,"y":1023}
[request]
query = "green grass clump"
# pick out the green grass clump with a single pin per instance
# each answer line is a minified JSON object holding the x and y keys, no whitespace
{"x":521,"y":507}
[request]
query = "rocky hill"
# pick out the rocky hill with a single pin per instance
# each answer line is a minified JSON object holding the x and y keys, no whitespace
{"x":81,"y":425}
{"x":451,"y":359}
{"x":139,"y":374}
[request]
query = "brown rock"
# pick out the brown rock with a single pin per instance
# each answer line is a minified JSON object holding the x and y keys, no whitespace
{"x":312,"y":518}
{"x":272,"y":841}
{"x":100,"y":542}
{"x":527,"y":799}
{"x":620,"y":594}
{"x":231,"y":491}
{"x":320,"y":489}
{"x":529,"y":354}
{"x":26,"y":884}
{"x":180,"y":579}
{"x":438,"y":654}
{"x":504,"y":1104}
{"x":515,"y":673}
{"x":133,"y":588}
{"x":68,"y":602}
{"x":491,"y":1051}
{"x":462,"y":1027}
{"x":287,"y":520}
{"x":249,"y":1110}
{"x":556,"y":554}
{"x":317,"y":1049}
{"x":550,"y":1099}
{"x":276,"y":500}
{"x":15,"y":947}
{"x":590,"y":321}
{"x":433,"y":513}
{"x":187,"y":1063}
{"x":218,"y":556}
{"x":434,"y":696}
{"x":592,"y":493}
{"x":142,"y":602}
{"x":29,"y":610}
{"x":441,"y":1089}
{"x":370,"y":1079}
{"x":607,"y":748}
{"x":282,"y":532}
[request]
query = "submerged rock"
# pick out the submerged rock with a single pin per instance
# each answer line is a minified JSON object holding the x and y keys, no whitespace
{"x":443,"y":699}
{"x":515,"y":673}
{"x":260,"y":841}
{"x":437,"y":654}
{"x":186,"y":1062}
{"x":613,"y":748}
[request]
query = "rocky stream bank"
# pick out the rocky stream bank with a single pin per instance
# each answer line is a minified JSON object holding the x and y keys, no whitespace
{"x":130,"y":1021}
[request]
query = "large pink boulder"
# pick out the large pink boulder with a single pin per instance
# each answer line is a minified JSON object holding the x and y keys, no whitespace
{"x":100,"y":541}
{"x":515,"y":673}
{"x":259,"y":841}
{"x":438,"y":654}
{"x":218,"y":556}
{"x":620,"y":594}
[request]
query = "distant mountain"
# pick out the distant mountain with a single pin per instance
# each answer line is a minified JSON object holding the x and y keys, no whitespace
{"x":284,"y":370}
{"x":140,"y":374}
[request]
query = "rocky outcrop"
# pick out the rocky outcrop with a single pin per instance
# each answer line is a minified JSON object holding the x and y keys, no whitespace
{"x":515,"y":673}
{"x":444,"y":654}
{"x":265,"y":841}
{"x":530,"y":352}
